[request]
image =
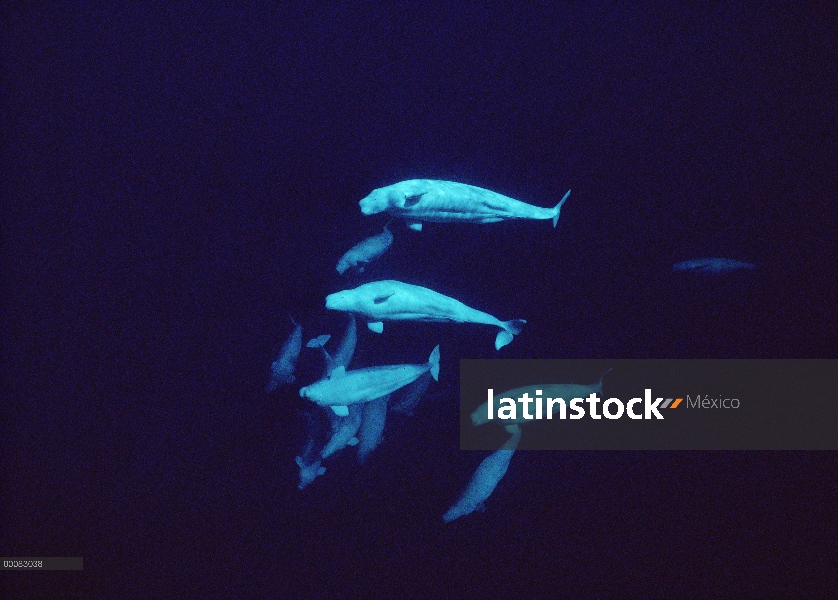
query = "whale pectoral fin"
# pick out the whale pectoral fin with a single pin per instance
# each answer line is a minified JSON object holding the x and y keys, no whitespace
{"x":376,"y":326}
{"x":319,"y":341}
{"x":413,"y":200}
{"x":360,"y":269}
{"x":299,"y":462}
{"x":382,"y":298}
{"x":480,"y":508}
{"x":353,"y":441}
{"x":414,"y":225}
{"x":341,"y":411}
{"x":321,"y":470}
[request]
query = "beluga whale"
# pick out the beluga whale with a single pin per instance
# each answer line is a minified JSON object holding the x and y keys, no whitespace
{"x":712,"y":265}
{"x":365,"y":251}
{"x":282,"y":369}
{"x":344,"y":388}
{"x":434,"y":201}
{"x":485,"y":478}
{"x":391,"y":300}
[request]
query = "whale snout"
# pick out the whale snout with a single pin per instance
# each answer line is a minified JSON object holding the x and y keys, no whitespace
{"x":373,"y":204}
{"x":366,"y":209}
{"x":336,"y":301}
{"x":304,"y":392}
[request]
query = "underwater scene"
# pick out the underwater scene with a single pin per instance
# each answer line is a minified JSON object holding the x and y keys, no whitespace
{"x":246,"y":246}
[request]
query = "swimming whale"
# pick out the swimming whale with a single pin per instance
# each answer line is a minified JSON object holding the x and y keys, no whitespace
{"x":344,"y":429}
{"x":309,"y":461}
{"x":365,"y":252}
{"x":282,"y":369}
{"x":411,"y":395}
{"x":320,"y":342}
{"x":344,"y":388}
{"x":370,"y":432}
{"x":567,"y":391}
{"x":420,"y":200}
{"x":391,"y":300}
{"x":345,"y":351}
{"x":485,"y":478}
{"x":712,"y":265}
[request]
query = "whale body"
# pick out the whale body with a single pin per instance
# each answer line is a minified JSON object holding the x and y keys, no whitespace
{"x":365,"y":252}
{"x":370,"y":432}
{"x":344,"y":388}
{"x":310,"y":461}
{"x":343,"y":431}
{"x":431,"y":200}
{"x":485,"y":478}
{"x":712,"y":265}
{"x":391,"y":300}
{"x":411,"y":396}
{"x":282,"y":369}
{"x":346,"y":350}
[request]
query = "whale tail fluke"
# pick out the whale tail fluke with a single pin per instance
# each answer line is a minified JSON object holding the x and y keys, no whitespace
{"x":558,"y":208}
{"x":509,"y":329}
{"x":433,"y":361}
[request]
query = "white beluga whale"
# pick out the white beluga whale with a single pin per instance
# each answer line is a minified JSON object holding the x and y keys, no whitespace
{"x":282,"y":369}
{"x":391,"y":300}
{"x":366,"y":251}
{"x":344,"y":388}
{"x":712,"y":265}
{"x":485,"y":478}
{"x":544,"y":391}
{"x":421,"y":200}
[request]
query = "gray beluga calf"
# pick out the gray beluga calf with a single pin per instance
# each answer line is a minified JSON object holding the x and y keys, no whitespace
{"x":344,"y":429}
{"x":282,"y":369}
{"x":366,"y":251}
{"x":372,"y":426}
{"x":345,"y":351}
{"x":712,"y":265}
{"x":485,"y":478}
{"x":391,"y":300}
{"x":566,"y":391}
{"x":320,"y":342}
{"x":345,"y":388}
{"x":411,"y":396}
{"x":431,"y":200}
{"x":310,"y":461}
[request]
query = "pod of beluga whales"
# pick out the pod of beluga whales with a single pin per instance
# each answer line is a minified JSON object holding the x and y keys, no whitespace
{"x":356,"y":402}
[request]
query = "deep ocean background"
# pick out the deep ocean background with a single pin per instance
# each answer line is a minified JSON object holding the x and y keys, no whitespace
{"x":179,"y":179}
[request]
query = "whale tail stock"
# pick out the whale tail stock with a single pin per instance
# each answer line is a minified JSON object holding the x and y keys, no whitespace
{"x":558,"y":208}
{"x":509,"y":329}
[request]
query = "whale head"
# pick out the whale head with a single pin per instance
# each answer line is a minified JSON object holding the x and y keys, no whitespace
{"x":395,"y":198}
{"x":376,"y":202}
{"x":363,"y":299}
{"x":346,"y":300}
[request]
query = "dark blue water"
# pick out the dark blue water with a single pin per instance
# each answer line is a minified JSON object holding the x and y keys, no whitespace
{"x":179,"y":179}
